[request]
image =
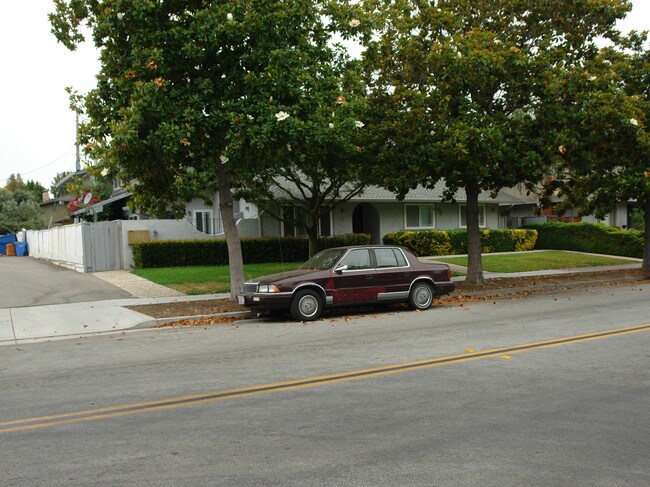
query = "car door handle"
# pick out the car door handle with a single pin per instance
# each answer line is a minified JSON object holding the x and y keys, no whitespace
{"x":368,"y":277}
{"x":407,"y":274}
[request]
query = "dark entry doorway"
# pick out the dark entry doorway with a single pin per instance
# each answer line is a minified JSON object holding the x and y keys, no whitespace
{"x":365,"y":219}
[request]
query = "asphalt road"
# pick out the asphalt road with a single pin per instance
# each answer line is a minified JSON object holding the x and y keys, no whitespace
{"x":480,"y":401}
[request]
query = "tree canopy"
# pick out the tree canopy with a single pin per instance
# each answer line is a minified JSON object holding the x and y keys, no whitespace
{"x":325,"y":161}
{"x":57,"y":191}
{"x":460,"y":89}
{"x":19,"y":210}
{"x":184,"y":86}
{"x":195,"y":97}
{"x":15,"y":182}
{"x":603,"y":154}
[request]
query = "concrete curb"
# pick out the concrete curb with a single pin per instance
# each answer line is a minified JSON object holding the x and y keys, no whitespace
{"x":161,"y":321}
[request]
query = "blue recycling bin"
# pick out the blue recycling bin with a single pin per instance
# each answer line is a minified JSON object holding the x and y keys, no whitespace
{"x":4,"y":240}
{"x":21,"y":249}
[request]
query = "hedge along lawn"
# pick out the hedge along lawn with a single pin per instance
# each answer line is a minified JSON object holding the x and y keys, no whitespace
{"x":208,"y":279}
{"x":537,"y":261}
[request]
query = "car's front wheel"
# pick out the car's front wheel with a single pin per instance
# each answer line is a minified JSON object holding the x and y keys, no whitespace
{"x":421,"y":296}
{"x":306,"y":305}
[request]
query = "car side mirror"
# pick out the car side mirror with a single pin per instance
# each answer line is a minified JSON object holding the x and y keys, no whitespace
{"x":341,"y":268}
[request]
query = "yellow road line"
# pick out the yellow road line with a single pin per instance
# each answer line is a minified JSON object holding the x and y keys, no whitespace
{"x":196,"y":399}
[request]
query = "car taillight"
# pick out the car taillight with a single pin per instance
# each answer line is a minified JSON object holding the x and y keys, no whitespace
{"x":449,"y":274}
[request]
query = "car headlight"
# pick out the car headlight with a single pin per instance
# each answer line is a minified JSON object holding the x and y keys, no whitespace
{"x":268,"y":288}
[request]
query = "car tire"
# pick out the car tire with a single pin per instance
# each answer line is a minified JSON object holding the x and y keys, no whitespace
{"x":421,"y":296}
{"x":306,"y":305}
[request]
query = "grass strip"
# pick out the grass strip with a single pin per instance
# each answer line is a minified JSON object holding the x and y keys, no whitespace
{"x":208,"y":279}
{"x":537,"y":261}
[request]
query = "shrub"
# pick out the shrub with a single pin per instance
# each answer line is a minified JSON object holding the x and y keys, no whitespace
{"x":451,"y":242}
{"x":431,"y":242}
{"x":173,"y":253}
{"x":589,"y":237}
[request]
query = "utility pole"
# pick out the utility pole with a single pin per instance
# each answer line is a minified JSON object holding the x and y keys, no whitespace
{"x":78,"y":159}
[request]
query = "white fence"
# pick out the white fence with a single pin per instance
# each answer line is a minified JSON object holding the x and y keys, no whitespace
{"x":84,"y":247}
{"x":104,"y":246}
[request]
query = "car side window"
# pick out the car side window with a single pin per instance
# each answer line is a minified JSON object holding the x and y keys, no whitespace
{"x":385,"y":258}
{"x":401,"y":260}
{"x":357,"y":259}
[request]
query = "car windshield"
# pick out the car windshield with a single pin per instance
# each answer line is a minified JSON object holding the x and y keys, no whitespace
{"x":324,"y":259}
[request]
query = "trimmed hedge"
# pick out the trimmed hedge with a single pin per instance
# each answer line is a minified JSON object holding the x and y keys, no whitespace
{"x":452,"y":242}
{"x":174,"y":253}
{"x":589,"y":237}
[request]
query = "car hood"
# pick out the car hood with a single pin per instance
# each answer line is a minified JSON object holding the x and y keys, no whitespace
{"x":272,"y":278}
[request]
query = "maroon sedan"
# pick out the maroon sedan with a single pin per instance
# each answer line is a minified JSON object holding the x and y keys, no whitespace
{"x":349,"y":275}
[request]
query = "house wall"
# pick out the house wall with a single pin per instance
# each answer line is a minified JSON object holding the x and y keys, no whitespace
{"x":381,"y":218}
{"x":249,"y":228}
{"x":198,"y":204}
{"x":245,"y":214}
{"x":55,"y":214}
{"x":269,"y":226}
{"x":492,"y":215}
{"x":618,"y":217}
{"x":392,"y":219}
{"x":157,"y":230}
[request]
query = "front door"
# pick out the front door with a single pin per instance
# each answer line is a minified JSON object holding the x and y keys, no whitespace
{"x":365,"y":219}
{"x":355,"y":284}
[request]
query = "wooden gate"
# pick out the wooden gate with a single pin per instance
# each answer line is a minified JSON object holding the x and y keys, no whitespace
{"x":102,"y":246}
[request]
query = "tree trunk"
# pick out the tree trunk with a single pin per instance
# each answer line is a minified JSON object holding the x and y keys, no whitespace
{"x":312,"y":229}
{"x":312,"y":234}
{"x":474,"y":264}
{"x":646,"y":235}
{"x":235,"y":259}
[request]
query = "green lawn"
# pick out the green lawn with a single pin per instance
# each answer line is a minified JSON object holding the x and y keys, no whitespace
{"x":208,"y":279}
{"x":535,"y":261}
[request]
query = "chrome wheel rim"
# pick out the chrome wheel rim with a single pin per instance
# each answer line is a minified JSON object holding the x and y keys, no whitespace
{"x":308,"y":306}
{"x":423,"y":296}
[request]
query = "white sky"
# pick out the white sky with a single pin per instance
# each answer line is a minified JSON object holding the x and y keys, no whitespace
{"x":37,"y":127}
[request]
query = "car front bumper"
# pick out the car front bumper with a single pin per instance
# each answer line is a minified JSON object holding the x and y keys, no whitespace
{"x":265,"y":301}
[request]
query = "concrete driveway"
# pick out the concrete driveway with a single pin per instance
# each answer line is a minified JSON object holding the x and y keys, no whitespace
{"x":25,"y":281}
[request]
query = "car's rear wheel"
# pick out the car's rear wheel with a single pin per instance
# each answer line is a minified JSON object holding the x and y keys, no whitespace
{"x":421,"y":296}
{"x":306,"y":305}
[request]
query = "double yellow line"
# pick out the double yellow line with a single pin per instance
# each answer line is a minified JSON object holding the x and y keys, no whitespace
{"x":196,"y":399}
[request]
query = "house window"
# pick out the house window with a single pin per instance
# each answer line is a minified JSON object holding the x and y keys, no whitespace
{"x":325,"y":225}
{"x":291,"y":215}
{"x":203,"y":221}
{"x":462,"y":210}
{"x":419,"y":216}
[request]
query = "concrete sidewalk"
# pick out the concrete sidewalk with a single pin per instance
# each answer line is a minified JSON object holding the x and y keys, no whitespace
{"x":38,"y":323}
{"x":74,"y":319}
